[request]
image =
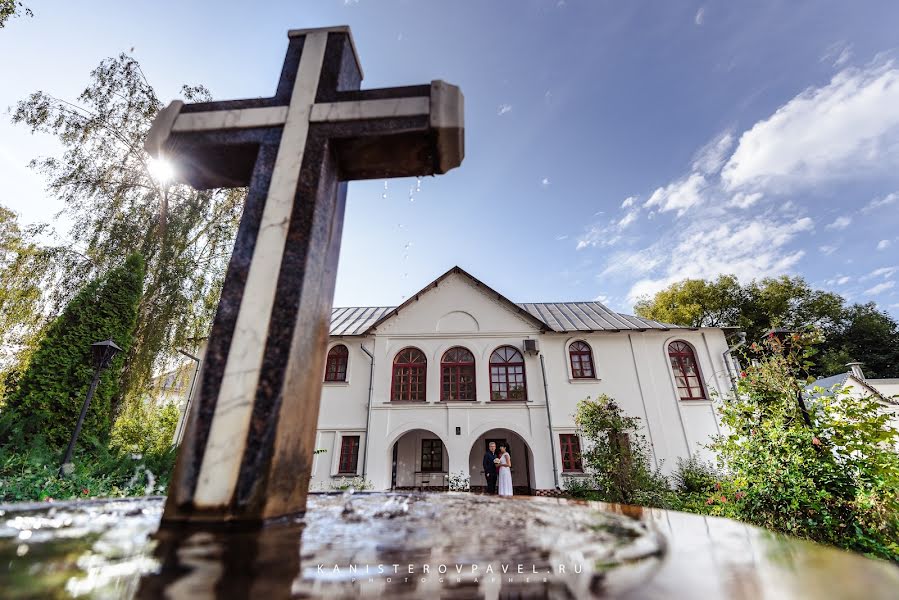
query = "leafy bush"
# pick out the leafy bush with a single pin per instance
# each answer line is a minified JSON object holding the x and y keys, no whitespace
{"x":32,"y":474}
{"x":49,"y":395}
{"x":818,"y":466}
{"x":616,"y":455}
{"x":145,"y":427}
{"x":695,"y":476}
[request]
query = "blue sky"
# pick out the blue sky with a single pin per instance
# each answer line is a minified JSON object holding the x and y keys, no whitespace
{"x":612,"y":147}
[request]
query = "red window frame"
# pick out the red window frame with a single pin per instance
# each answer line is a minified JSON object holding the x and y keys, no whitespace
{"x":336,"y":364}
{"x":349,"y":455}
{"x":506,"y":366}
{"x":581,"y":357}
{"x":570,"y":444}
{"x":457,"y":375}
{"x":687,"y":377}
{"x":410,"y":374}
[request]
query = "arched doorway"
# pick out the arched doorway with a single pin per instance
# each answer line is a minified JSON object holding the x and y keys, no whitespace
{"x":419,"y":461}
{"x":522,"y":460}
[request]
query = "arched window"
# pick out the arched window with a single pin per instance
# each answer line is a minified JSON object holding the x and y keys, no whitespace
{"x":581,"y":360}
{"x":409,"y":372}
{"x":507,"y":375}
{"x":686,"y":371}
{"x":457,"y":375}
{"x":335,"y":367}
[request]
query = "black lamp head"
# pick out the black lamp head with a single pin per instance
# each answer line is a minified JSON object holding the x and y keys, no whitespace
{"x":103,"y":352}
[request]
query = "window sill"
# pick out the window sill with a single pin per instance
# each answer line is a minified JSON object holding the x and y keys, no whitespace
{"x":695,"y":401}
{"x":584,"y":380}
{"x":336,"y":383}
{"x":574,"y":474}
{"x":458,"y":402}
{"x":344,"y":475}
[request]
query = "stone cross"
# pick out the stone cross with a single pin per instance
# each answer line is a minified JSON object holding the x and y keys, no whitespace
{"x":247,"y":453}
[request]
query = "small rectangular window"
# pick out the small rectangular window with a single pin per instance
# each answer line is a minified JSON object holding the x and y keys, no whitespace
{"x":349,"y":455}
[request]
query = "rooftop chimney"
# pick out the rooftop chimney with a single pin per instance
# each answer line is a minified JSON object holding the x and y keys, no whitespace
{"x":856,"y":369}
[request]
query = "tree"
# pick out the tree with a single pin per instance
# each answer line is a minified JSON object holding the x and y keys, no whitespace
{"x":104,"y":180}
{"x":696,"y":302}
{"x":12,"y":8}
{"x":25,"y":267}
{"x":48,"y":398}
{"x":865,"y":334}
{"x":852,"y":333}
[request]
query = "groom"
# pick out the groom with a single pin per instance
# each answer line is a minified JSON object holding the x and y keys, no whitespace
{"x":490,"y":468}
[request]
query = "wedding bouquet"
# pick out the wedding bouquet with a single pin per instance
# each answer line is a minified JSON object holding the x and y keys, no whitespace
{"x":496,"y":461}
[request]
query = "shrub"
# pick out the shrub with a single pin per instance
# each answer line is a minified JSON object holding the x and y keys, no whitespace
{"x":616,"y":455}
{"x":818,"y":466}
{"x":49,"y":395}
{"x":695,"y":476}
{"x":32,"y":475}
{"x":145,"y":426}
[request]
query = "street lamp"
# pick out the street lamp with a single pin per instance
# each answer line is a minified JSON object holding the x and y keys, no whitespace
{"x":102,"y":354}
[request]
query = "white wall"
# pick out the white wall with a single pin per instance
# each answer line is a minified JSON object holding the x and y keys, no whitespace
{"x":632,"y":367}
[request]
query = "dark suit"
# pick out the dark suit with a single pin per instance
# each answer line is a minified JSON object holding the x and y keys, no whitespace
{"x":490,"y":472}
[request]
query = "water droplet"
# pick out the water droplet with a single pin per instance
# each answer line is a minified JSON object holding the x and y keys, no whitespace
{"x":408,"y":245}
{"x":22,"y":550}
{"x":418,"y":184}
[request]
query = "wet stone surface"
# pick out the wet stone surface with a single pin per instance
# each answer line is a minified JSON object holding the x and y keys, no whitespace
{"x":403,"y":545}
{"x":365,"y":545}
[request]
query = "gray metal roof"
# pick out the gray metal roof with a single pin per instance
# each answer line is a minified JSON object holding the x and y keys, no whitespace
{"x":588,"y":316}
{"x":557,"y":316}
{"x":356,"y":320}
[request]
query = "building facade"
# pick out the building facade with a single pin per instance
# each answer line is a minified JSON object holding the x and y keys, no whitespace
{"x":413,"y":394}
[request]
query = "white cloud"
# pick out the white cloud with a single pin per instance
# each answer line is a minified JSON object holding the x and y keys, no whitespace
{"x":559,"y":238}
{"x":838,"y":54}
{"x":749,"y":249}
{"x":744,"y":200}
{"x":881,"y":202}
{"x":827,"y":250}
{"x":629,"y":218}
{"x":545,"y":182}
{"x":503,"y":109}
{"x":601,"y":298}
{"x":839,"y":280}
{"x":628,"y":202}
{"x":885,"y":272}
{"x":711,"y":157}
{"x":699,"y":19}
{"x":680,"y":195}
{"x":884,"y":244}
{"x":841,"y":222}
{"x":847,"y":127}
{"x":880,"y":288}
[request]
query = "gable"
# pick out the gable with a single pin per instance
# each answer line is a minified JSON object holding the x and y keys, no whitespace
{"x":457,"y":303}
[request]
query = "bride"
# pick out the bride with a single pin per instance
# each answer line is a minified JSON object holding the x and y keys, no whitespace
{"x":504,"y":477}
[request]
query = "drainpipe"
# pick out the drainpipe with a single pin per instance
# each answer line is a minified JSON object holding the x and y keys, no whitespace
{"x":549,"y":418}
{"x":728,"y":361}
{"x":190,"y":395}
{"x":371,"y":382}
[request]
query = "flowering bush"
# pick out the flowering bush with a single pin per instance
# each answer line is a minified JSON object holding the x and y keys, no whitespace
{"x":817,"y":465}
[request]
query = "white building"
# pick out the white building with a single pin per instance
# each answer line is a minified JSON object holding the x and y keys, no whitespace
{"x":412,"y":394}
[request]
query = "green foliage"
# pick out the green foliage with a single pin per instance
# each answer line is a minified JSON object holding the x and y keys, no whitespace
{"x":832,"y":478}
{"x":858,"y":332}
{"x":616,"y":455}
{"x":145,"y":427}
{"x":116,"y":207}
{"x":31,"y":475}
{"x":50,"y":393}
{"x":12,"y":8}
{"x":695,"y":476}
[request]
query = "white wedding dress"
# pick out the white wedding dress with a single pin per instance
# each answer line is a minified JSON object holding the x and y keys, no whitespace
{"x":505,"y":476}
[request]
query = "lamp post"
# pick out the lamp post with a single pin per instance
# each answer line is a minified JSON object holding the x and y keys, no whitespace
{"x":102,"y":354}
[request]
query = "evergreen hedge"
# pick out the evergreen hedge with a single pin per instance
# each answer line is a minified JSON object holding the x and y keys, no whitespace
{"x":48,"y":397}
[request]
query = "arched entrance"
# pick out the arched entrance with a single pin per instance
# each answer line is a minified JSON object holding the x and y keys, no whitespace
{"x":418,"y":461}
{"x":522,"y":460}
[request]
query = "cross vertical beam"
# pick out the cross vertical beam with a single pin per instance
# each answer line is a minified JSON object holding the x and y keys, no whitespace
{"x":247,"y":452}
